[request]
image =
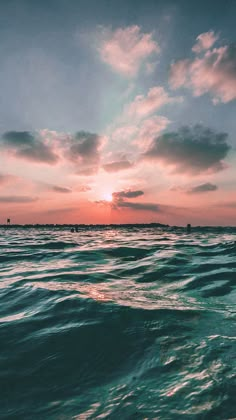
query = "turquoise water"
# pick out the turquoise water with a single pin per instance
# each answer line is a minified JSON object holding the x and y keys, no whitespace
{"x":117,"y":324}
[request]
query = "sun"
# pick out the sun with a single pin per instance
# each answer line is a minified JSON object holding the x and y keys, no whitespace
{"x":108,"y":197}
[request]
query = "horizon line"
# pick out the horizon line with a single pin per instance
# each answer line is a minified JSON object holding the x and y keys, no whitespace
{"x":157,"y":224}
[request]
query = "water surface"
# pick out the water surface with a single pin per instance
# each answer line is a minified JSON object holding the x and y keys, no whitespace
{"x":121,"y":323}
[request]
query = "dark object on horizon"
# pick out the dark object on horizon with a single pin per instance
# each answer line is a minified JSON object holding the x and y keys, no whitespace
{"x":76,"y":229}
{"x":8,"y":221}
{"x":188,"y":228}
{"x":72,"y":230}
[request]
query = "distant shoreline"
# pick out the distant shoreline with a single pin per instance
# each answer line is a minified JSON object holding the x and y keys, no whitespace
{"x":106,"y":226}
{"x":90,"y":225}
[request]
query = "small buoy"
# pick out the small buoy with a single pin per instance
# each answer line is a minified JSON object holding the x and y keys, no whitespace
{"x":188,"y":228}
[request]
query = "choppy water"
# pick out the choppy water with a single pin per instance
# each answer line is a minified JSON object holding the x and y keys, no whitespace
{"x":117,"y":324}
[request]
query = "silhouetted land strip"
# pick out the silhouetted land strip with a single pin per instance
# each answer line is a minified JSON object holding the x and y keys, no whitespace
{"x":114,"y":226}
{"x":84,"y":226}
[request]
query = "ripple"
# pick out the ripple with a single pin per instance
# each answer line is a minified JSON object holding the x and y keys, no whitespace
{"x":118,"y":323}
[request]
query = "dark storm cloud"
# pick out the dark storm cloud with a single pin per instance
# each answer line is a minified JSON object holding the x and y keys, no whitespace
{"x":25,"y":145}
{"x":116,"y":166}
{"x":127,"y":194}
{"x":85,"y":147}
{"x":207,"y":187}
{"x":17,"y":199}
{"x":191,"y":150}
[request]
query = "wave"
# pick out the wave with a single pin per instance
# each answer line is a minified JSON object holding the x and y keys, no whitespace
{"x":118,"y":324}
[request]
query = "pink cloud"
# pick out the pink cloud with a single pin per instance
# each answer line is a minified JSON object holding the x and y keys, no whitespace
{"x":126,"y":49}
{"x":124,"y":132}
{"x":214,"y":73}
{"x":150,"y":129}
{"x":205,"y":41}
{"x":6,"y":179}
{"x":179,"y":73}
{"x":139,"y":135}
{"x":83,"y":188}
{"x":137,"y":126}
{"x":116,"y":166}
{"x":143,"y":106}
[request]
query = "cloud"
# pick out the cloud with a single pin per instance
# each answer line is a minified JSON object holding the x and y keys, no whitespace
{"x":59,"y":189}
{"x":149,"y":129}
{"x":177,"y":188}
{"x":17,"y":199}
{"x":84,"y":150}
{"x":198,"y":189}
{"x":178,"y":73}
{"x":214,"y":73}
{"x":137,"y":125}
{"x":85,"y":147}
{"x":140,"y":134}
{"x":103,"y":203}
{"x":83,"y":188}
{"x":207,"y":187}
{"x":142,"y":106}
{"x":205,"y":41}
{"x":87,"y":170}
{"x":224,"y":204}
{"x":127,"y":194}
{"x":191,"y":150}
{"x":6,"y":178}
{"x":53,"y":188}
{"x":59,"y":211}
{"x":117,"y":166}
{"x":25,"y":145}
{"x":119,"y":201}
{"x":138,"y":206}
{"x":153,"y":126}
{"x":127,"y":49}
{"x":124,"y":133}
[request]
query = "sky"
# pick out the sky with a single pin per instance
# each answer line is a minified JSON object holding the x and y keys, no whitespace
{"x":118,"y":111}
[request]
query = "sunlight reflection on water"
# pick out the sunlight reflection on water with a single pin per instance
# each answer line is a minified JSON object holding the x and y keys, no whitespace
{"x":111,"y":323}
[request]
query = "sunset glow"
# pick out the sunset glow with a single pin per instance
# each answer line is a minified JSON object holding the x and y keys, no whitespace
{"x":108,"y":197}
{"x":117,"y":209}
{"x":118,"y":115}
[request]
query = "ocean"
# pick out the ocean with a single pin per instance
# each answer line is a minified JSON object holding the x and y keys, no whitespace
{"x":117,"y":323}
